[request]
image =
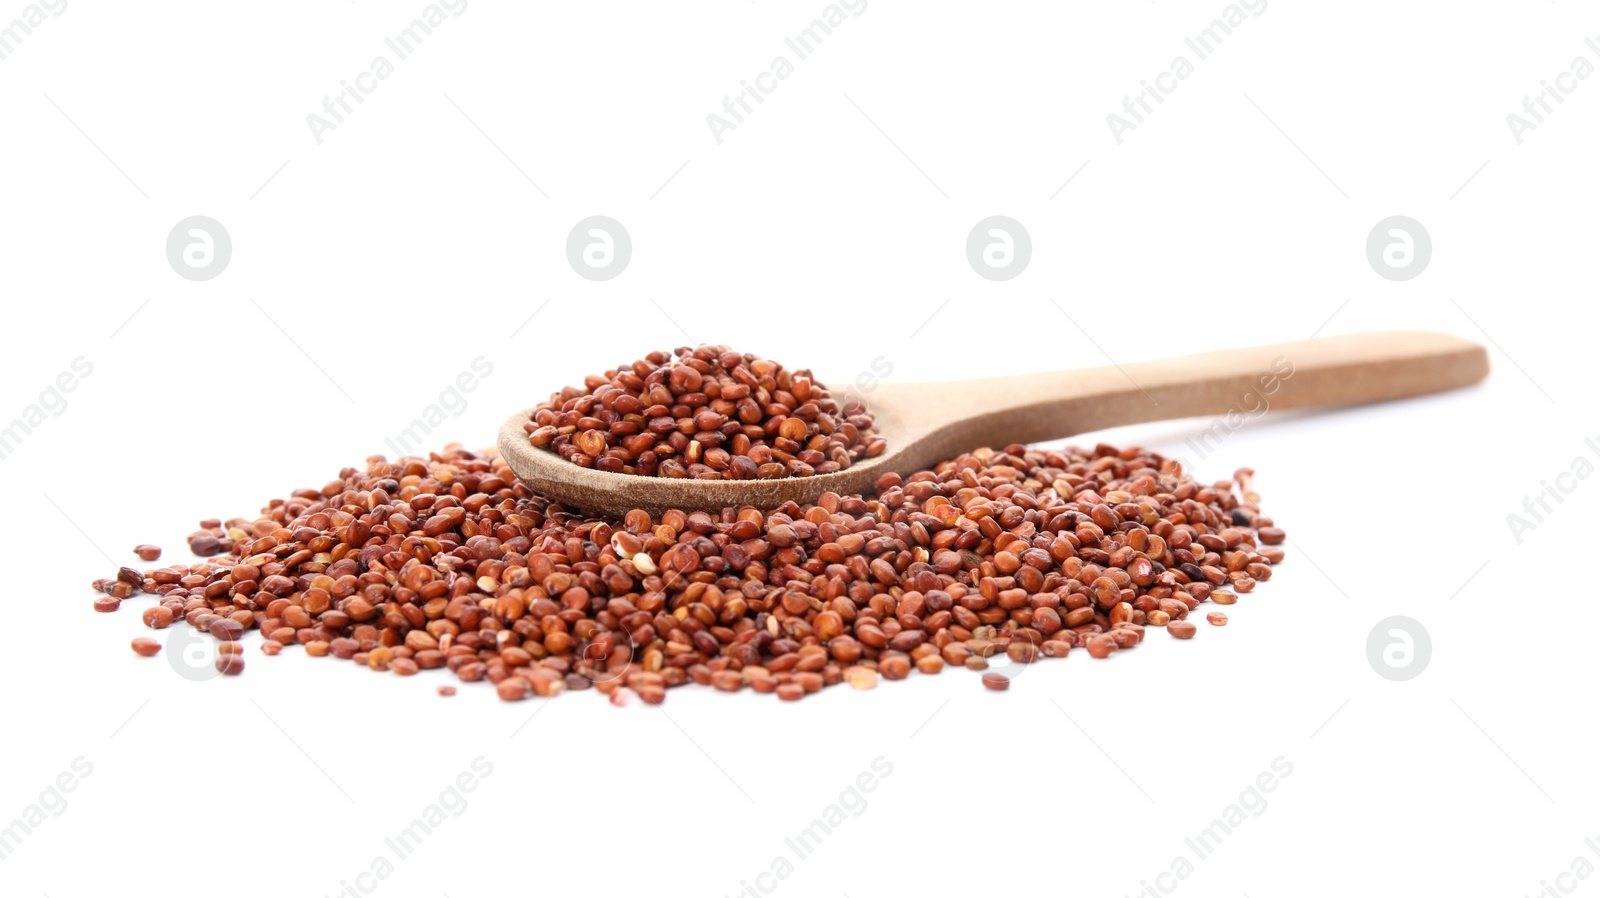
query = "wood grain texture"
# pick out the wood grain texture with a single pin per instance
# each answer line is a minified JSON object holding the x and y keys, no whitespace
{"x":927,"y":423}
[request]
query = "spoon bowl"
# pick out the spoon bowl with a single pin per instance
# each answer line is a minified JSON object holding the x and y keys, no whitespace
{"x":923,"y":424}
{"x":586,"y":488}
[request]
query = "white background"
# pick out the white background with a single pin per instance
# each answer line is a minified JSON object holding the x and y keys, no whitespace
{"x":826,"y":231}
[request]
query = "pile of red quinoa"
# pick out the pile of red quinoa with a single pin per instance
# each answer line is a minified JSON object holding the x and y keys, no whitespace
{"x":706,"y":413}
{"x":449,"y":562}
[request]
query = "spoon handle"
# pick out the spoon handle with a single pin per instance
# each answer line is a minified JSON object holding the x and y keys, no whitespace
{"x":1320,"y":373}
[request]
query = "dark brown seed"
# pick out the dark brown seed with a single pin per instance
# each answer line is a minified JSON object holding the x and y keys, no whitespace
{"x":147,"y":552}
{"x":205,"y":546}
{"x":1182,"y":629}
{"x":227,"y":629}
{"x":146,"y":646}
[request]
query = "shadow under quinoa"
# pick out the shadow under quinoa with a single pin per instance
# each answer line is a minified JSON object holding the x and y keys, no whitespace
{"x":705,"y":413}
{"x":449,"y":562}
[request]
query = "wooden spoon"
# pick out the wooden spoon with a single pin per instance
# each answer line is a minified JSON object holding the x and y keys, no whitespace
{"x":927,"y":423}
